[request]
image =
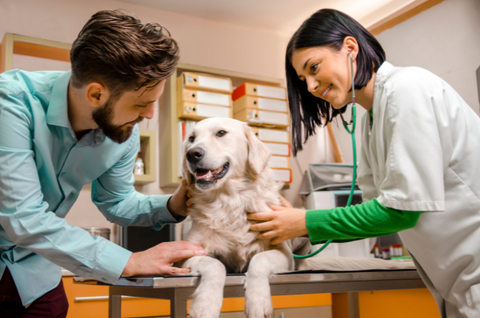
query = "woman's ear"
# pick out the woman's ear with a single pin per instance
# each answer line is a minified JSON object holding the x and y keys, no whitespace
{"x":258,"y":154}
{"x":350,"y":45}
{"x":97,"y":94}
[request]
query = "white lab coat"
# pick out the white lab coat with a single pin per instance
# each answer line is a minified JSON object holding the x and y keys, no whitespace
{"x":422,"y":153}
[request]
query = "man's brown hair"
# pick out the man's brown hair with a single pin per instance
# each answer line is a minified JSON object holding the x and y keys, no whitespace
{"x":118,"y":51}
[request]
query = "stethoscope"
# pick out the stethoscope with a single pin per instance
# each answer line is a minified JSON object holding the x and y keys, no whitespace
{"x":352,"y":133}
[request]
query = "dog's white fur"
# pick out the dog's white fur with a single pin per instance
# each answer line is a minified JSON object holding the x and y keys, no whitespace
{"x":219,"y":220}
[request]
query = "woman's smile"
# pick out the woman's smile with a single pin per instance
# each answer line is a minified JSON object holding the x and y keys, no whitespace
{"x":326,"y":91}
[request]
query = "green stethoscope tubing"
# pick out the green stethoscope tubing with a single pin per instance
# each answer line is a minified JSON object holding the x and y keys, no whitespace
{"x":354,"y":148}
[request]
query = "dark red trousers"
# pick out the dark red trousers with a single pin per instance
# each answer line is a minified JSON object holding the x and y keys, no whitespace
{"x":53,"y":304}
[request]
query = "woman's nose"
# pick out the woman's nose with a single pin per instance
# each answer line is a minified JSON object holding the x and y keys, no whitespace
{"x":312,"y":84}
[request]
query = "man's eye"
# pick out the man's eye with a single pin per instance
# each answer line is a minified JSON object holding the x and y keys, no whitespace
{"x":191,"y":139}
{"x":221,"y":133}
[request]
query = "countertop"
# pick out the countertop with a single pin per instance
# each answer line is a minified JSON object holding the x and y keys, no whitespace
{"x":280,"y":278}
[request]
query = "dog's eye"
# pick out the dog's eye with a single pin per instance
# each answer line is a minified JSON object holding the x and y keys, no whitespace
{"x":191,"y":139}
{"x":221,"y":133}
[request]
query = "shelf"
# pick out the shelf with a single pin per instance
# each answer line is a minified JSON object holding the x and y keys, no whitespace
{"x":148,"y":142}
{"x":29,"y":46}
{"x":168,"y":142}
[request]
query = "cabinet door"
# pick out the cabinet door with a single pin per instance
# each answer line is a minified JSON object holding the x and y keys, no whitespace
{"x":307,"y":312}
{"x":92,"y":301}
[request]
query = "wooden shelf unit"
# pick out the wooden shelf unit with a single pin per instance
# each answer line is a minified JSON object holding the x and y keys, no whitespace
{"x":30,"y":46}
{"x":169,"y":121}
{"x":148,"y":142}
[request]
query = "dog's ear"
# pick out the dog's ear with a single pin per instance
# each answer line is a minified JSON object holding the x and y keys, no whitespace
{"x":258,"y":154}
{"x":185,"y":173}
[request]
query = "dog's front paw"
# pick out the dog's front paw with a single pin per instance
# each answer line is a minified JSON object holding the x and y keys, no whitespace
{"x":258,"y":305}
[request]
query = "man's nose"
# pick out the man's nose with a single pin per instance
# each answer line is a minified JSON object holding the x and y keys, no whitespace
{"x":148,"y":111}
{"x":195,"y":154}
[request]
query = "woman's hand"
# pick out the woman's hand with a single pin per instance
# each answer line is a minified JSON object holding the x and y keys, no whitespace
{"x":281,"y":224}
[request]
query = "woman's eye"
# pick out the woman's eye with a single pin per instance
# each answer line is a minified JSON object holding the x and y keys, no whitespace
{"x":314,"y":67}
{"x":221,"y":133}
{"x":191,"y":139}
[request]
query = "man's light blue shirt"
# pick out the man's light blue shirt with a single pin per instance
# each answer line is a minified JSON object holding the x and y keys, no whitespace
{"x":42,"y":170}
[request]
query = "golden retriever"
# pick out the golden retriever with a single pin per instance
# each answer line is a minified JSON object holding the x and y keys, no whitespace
{"x":227,"y":173}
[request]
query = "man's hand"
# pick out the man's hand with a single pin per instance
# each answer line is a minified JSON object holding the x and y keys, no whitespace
{"x":158,"y":260}
{"x":177,"y":204}
{"x":283,"y":223}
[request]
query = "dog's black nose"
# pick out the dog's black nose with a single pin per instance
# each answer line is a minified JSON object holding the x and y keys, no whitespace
{"x":194,"y":155}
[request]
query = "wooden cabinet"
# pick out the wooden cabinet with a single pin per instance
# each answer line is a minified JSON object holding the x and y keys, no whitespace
{"x":411,"y":303}
{"x":92,"y":301}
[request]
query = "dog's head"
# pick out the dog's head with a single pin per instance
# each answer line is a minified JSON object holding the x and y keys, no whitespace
{"x":219,"y":149}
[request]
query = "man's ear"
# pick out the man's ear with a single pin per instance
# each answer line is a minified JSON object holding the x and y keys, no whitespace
{"x":97,"y":94}
{"x":258,"y":154}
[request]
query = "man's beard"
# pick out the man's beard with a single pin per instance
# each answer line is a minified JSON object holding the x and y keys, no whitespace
{"x":103,"y":118}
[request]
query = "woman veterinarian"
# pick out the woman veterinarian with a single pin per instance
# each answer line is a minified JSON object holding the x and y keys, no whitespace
{"x":419,"y":160}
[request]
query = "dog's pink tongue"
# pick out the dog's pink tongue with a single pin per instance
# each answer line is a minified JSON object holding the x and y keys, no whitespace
{"x":207,"y":176}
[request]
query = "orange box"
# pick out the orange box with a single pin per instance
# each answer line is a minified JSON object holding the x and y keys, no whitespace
{"x":259,"y":90}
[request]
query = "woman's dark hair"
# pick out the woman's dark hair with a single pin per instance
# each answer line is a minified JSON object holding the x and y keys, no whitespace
{"x":326,"y":27}
{"x":115,"y":49}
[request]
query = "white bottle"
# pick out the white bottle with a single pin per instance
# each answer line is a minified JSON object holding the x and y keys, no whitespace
{"x":139,"y":167}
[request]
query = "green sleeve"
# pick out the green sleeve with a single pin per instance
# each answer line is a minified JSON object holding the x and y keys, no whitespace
{"x":368,"y":219}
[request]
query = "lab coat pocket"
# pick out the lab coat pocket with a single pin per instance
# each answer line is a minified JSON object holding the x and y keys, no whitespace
{"x":473,"y":300}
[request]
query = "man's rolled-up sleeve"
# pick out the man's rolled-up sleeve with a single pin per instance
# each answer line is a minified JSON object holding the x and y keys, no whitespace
{"x":115,"y":196}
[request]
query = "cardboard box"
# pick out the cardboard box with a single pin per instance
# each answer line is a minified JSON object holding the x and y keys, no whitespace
{"x":205,"y":82}
{"x":201,"y":111}
{"x":263,"y":118}
{"x":259,"y":90}
{"x":203,"y":97}
{"x":259,"y":103}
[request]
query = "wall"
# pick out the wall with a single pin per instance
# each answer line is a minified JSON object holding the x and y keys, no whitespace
{"x":202,"y":42}
{"x":444,"y":40}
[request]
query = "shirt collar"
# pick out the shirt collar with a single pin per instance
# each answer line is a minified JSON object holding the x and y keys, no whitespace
{"x":57,"y":113}
{"x":383,"y":73}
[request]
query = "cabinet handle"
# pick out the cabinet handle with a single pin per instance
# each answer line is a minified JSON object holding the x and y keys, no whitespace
{"x":99,"y":298}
